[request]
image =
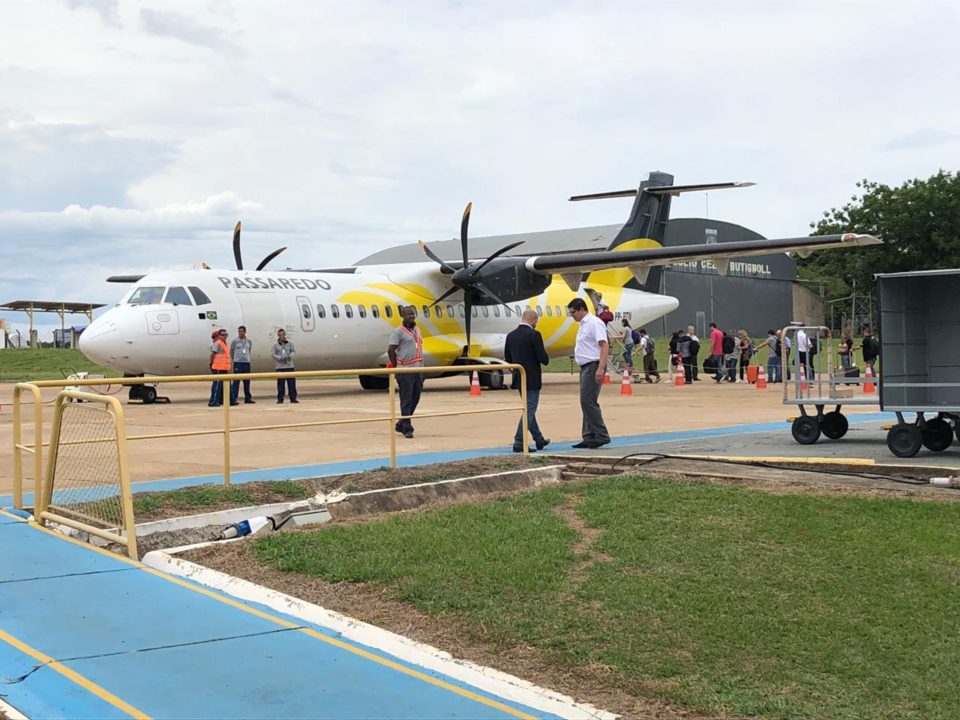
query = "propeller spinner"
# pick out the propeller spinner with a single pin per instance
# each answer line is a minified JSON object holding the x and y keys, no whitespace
{"x":467,"y":278}
{"x":237,"y":256}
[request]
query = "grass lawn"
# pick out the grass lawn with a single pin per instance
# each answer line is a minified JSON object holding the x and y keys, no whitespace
{"x":725,"y":600}
{"x":23,"y":364}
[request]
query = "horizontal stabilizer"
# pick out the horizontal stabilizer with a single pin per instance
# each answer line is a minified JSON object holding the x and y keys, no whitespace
{"x":125,"y":278}
{"x":662,"y":190}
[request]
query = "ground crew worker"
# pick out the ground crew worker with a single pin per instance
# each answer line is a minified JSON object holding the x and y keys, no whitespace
{"x":219,"y":365}
{"x":240,"y":350}
{"x":282,"y":354}
{"x":405,"y":349}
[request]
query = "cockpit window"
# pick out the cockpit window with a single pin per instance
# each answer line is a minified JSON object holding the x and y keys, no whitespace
{"x":146,"y":296}
{"x":199,"y":296}
{"x":178,"y":296}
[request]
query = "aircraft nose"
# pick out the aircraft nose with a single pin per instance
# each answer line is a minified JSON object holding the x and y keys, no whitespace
{"x":100,"y":340}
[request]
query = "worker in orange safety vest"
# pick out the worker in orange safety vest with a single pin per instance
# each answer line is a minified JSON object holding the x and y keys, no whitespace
{"x":219,"y":365}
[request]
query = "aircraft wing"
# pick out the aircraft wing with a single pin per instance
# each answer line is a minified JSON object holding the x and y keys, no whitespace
{"x":570,"y":264}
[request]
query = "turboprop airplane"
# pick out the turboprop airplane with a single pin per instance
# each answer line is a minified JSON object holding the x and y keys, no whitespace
{"x":340,"y":318}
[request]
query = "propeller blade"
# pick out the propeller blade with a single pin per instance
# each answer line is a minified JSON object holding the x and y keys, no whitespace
{"x":443,"y":297}
{"x":464,"y":224}
{"x":436,"y":258}
{"x":236,"y":246}
{"x":497,"y":254}
{"x":488,"y":292}
{"x":467,"y":314}
{"x":268,"y":258}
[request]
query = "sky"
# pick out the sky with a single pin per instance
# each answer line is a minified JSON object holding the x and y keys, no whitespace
{"x":133,"y":135}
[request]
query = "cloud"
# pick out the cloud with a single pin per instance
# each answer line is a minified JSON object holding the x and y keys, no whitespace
{"x":178,"y":26}
{"x":924,"y":138}
{"x":107,"y":10}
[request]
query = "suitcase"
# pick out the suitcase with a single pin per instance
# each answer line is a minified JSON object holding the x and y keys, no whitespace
{"x":752,"y":372}
{"x":852,"y":372}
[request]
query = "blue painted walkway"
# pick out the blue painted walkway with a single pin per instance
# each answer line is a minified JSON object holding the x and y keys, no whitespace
{"x":87,"y":634}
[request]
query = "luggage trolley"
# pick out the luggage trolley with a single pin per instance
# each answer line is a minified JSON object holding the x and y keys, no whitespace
{"x":819,"y":383}
{"x":920,"y":358}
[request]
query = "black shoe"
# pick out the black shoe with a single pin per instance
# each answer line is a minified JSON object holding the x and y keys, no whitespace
{"x":294,"y":401}
{"x":279,"y":402}
{"x":601,"y":443}
{"x":543,"y":443}
{"x":519,"y":449}
{"x":408,"y":434}
{"x":249,"y":402}
{"x":233,"y":404}
{"x":583,"y":444}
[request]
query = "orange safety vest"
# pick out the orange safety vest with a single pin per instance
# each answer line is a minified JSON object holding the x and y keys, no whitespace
{"x":418,"y":339}
{"x":221,"y":360}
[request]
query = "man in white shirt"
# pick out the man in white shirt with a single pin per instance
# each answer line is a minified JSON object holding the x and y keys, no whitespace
{"x":591,"y":353}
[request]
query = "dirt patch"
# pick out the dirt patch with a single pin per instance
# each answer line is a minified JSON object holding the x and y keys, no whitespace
{"x":583,"y":547}
{"x":594,"y":684}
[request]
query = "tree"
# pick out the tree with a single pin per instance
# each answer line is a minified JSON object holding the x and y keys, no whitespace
{"x":919,"y":223}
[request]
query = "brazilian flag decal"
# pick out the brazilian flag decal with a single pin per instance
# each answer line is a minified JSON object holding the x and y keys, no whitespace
{"x":211,"y":314}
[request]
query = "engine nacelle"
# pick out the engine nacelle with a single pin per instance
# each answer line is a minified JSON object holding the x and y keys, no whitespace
{"x":510,"y":280}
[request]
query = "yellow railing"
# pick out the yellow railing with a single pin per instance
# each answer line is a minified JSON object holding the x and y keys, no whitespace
{"x":19,"y":447}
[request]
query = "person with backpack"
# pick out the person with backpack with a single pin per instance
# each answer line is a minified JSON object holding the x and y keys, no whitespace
{"x":629,"y":342}
{"x":730,"y":355}
{"x":774,"y":368}
{"x":647,"y":348}
{"x":746,"y":348}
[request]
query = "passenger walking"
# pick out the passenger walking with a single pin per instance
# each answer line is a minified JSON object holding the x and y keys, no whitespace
{"x":629,"y":342}
{"x":674,"y":347}
{"x":871,"y":349}
{"x":716,"y":352}
{"x":283,"y":352}
{"x":694,"y":353}
{"x":746,"y":349}
{"x":524,"y":346}
{"x":240,"y":350}
{"x":219,"y":365}
{"x":803,"y":352}
{"x":845,"y":349}
{"x":731,"y":354}
{"x":591,"y":352}
{"x":647,"y":348}
{"x":405,"y":349}
{"x":774,"y":368}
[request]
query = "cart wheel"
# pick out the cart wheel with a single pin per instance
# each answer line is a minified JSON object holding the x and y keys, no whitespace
{"x":904,"y":440}
{"x":937,"y":435}
{"x":806,"y":430}
{"x":148,"y":395}
{"x":834,"y":425}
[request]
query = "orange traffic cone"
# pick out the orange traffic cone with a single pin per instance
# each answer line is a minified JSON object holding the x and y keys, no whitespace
{"x":761,"y":378}
{"x":679,"y":381}
{"x":803,"y":377}
{"x":606,"y":379}
{"x":626,"y":387}
{"x":475,"y":385}
{"x":868,"y":386}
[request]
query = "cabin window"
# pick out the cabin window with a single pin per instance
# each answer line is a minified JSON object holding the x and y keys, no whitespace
{"x":476,"y":313}
{"x":437,"y":311}
{"x":558,"y":310}
{"x":146,"y":296}
{"x":321,"y":312}
{"x":460,"y":310}
{"x":361,"y":311}
{"x":449,"y":310}
{"x":388,"y":310}
{"x":486,"y":311}
{"x":426,"y":312}
{"x":400,"y":310}
{"x":307,"y":312}
{"x":496,"y":311}
{"x":517,"y":310}
{"x":539,"y":311}
{"x":199,"y":296}
{"x":348,"y":311}
{"x":549,"y":311}
{"x":335,"y":311}
{"x":375,"y":311}
{"x":178,"y":296}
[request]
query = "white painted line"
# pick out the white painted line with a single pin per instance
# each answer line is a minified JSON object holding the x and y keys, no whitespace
{"x":422,"y":655}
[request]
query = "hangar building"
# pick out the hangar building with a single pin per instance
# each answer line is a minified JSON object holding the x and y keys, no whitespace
{"x":758,"y":292}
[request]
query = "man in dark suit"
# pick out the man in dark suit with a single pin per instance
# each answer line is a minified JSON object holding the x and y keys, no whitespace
{"x":524,"y":346}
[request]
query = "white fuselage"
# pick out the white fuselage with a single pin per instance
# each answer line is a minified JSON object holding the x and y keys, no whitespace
{"x":335,"y":320}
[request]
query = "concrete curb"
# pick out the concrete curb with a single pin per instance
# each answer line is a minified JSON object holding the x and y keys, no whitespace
{"x":487,"y":679}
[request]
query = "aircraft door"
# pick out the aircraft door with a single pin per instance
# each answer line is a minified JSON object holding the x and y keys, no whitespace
{"x":307,"y":321}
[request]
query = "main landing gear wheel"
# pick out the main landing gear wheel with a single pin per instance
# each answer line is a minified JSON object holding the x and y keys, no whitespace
{"x":806,"y":430}
{"x":834,"y":425}
{"x":904,"y":440}
{"x":148,"y":394}
{"x":374,"y":382}
{"x":937,"y":435}
{"x":492,"y":380}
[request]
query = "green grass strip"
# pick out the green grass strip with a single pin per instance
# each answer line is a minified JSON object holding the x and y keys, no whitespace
{"x":721,"y":599}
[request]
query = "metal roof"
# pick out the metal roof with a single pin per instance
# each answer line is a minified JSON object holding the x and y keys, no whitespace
{"x":50,"y":306}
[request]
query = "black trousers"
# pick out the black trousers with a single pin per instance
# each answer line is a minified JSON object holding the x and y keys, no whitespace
{"x":410,"y":388}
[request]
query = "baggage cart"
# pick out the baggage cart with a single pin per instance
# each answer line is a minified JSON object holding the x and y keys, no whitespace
{"x":815,"y":381}
{"x":920,"y":358}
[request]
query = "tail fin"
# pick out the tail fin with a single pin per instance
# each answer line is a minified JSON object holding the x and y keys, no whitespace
{"x":647,"y":223}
